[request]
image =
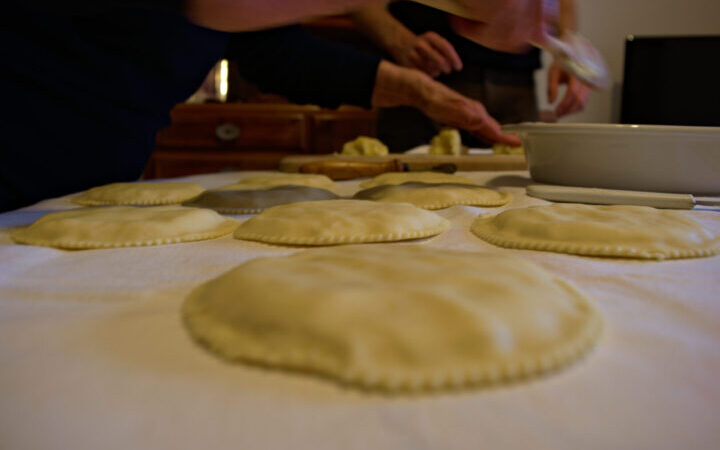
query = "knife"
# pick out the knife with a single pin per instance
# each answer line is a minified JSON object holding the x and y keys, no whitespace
{"x":619,"y":197}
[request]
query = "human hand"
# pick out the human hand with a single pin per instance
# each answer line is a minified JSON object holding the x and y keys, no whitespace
{"x":428,"y":52}
{"x":453,"y":109}
{"x":401,"y":86}
{"x":576,"y":93}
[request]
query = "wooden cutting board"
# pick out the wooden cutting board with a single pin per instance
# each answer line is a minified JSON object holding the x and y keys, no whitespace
{"x":417,"y":162}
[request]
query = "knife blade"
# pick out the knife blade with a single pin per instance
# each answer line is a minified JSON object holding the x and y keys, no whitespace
{"x":618,"y":197}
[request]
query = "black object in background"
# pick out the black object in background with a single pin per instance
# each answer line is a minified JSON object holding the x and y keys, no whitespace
{"x":672,"y":81}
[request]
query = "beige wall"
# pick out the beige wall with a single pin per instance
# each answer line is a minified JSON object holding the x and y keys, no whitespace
{"x":607,"y":22}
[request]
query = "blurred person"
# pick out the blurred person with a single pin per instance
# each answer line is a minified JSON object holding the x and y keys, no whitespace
{"x":499,"y":74}
{"x":88,"y":84}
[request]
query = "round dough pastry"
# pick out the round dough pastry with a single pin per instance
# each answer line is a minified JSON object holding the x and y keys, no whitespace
{"x":255,"y":201}
{"x":435,"y":196}
{"x":124,"y":226}
{"x":395,"y":317}
{"x":282,"y":179}
{"x":331,"y":222}
{"x":364,"y":146}
{"x":593,"y":230}
{"x":139,"y":193}
{"x":392,"y":178}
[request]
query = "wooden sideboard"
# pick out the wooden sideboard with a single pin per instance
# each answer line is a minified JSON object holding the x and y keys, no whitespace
{"x":214,"y":137}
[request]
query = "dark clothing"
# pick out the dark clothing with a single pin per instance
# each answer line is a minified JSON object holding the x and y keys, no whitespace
{"x":420,"y":19}
{"x":84,"y":93}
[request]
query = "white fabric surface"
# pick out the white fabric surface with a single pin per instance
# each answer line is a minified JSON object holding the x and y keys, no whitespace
{"x":93,"y":355}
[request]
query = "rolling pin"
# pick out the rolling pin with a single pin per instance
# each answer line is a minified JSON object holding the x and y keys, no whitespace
{"x":346,"y":170}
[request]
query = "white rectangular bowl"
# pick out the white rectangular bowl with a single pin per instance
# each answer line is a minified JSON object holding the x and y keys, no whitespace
{"x":653,"y":158}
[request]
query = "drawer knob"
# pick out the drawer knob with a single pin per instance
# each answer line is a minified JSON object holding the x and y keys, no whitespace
{"x":227,"y":132}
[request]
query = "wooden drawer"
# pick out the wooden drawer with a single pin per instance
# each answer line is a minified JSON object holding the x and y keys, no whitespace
{"x":177,"y":163}
{"x":330,"y":130}
{"x":224,"y":127}
{"x":241,"y":136}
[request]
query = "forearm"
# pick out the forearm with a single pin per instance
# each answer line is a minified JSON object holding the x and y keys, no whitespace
{"x":248,"y":15}
{"x":567,"y":19}
{"x":400,"y":86}
{"x":376,"y":22}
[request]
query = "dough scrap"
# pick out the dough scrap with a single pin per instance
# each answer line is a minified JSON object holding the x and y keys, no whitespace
{"x":619,"y":231}
{"x":255,"y":201}
{"x":505,"y":149}
{"x":139,"y":193}
{"x":364,"y":146}
{"x":332,"y":222}
{"x":397,"y":318}
{"x":435,"y":196}
{"x":282,"y":179}
{"x":447,"y":142}
{"x":392,"y":178}
{"x":124,"y":226}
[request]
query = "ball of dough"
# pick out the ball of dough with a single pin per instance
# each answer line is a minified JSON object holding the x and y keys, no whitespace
{"x":364,"y":146}
{"x":447,"y":142}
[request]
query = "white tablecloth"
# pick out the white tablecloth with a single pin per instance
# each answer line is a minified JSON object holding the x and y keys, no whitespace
{"x":93,"y":355}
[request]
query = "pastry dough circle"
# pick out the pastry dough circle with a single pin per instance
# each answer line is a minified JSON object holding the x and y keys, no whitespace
{"x":282,"y":179}
{"x":393,"y":178}
{"x":254,"y":201}
{"x":124,"y":226}
{"x":395,"y":317}
{"x":593,"y":230}
{"x":332,"y":222}
{"x":435,"y":196}
{"x":139,"y":193}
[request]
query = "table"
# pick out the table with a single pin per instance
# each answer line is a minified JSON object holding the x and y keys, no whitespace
{"x":93,"y":355}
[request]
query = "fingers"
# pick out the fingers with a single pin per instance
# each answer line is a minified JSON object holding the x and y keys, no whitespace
{"x":434,"y":60}
{"x":434,"y":55}
{"x":418,"y":61}
{"x":445,"y":48}
{"x":486,"y":127}
{"x":575,"y":98}
{"x":553,"y":82}
{"x":446,"y":106}
{"x":493,"y":133}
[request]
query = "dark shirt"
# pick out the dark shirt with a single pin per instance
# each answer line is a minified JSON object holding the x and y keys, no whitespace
{"x":85,"y":91}
{"x":420,"y":19}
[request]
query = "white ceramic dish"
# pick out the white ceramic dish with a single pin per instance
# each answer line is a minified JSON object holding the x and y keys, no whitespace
{"x":653,"y":158}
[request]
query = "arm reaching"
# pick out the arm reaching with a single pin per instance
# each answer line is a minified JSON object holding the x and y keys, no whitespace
{"x":576,"y":93}
{"x":249,"y":15}
{"x":428,"y":52}
{"x":400,"y":86}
